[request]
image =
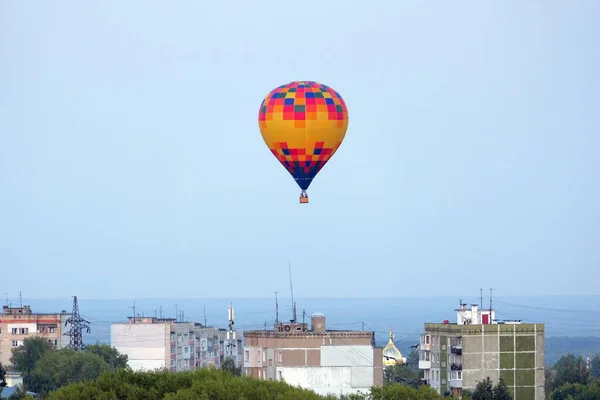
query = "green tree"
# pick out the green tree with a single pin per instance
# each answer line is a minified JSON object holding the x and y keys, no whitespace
{"x":229,"y":365}
{"x":2,"y":376}
{"x":28,"y":354}
{"x":501,"y":391}
{"x":569,"y":369}
{"x":110,"y":354}
{"x":56,"y":369}
{"x":402,"y":374}
{"x":595,"y":366}
{"x":484,"y":390}
{"x":577,"y":391}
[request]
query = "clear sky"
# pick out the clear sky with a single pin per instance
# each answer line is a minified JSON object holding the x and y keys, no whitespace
{"x":131,"y":163}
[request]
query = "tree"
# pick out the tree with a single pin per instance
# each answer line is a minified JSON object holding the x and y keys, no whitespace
{"x":402,"y":374}
{"x":569,"y":369}
{"x":501,"y":391}
{"x":484,"y":390}
{"x":595,"y":366}
{"x":28,"y":354}
{"x":110,"y":354}
{"x":2,"y":376}
{"x":57,"y":369}
{"x":229,"y":365}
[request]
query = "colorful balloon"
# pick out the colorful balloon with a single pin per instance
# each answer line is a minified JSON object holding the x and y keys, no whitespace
{"x":303,"y":123}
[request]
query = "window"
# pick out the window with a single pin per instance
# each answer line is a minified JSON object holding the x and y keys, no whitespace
{"x":15,"y":343}
{"x":264,"y":356}
{"x":186,"y":349}
{"x":172,"y":349}
{"x":426,"y":339}
{"x":247,"y":355}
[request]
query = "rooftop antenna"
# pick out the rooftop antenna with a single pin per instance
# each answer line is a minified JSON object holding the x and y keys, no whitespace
{"x":176,"y":313}
{"x":481,"y":298}
{"x":21,"y":299}
{"x":160,"y":312}
{"x":276,"y":308}
{"x":78,"y":324}
{"x":6,"y":299}
{"x":205,"y":316}
{"x":292,"y":290}
{"x":133,"y":312}
{"x":490,"y":300}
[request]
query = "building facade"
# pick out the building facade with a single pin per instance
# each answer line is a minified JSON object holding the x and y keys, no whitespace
{"x":19,"y":323}
{"x":325,"y":361}
{"x":152,"y":343}
{"x":456,"y":356}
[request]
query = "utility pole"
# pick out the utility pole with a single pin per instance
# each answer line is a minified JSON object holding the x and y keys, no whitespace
{"x":205,"y":316}
{"x":21,"y":299}
{"x":176,"y":313}
{"x":160,"y":312}
{"x":78,"y":324}
{"x":28,"y":370}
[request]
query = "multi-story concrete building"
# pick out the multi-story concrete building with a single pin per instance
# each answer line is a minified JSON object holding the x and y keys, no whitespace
{"x":455,"y":356}
{"x":155,"y":343}
{"x":215,"y":345}
{"x":325,"y":361}
{"x":18,"y":323}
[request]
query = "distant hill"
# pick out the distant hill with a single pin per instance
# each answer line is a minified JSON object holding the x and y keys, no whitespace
{"x":557,"y":346}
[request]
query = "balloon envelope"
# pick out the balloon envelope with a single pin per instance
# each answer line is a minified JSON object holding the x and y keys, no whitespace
{"x":303,"y":123}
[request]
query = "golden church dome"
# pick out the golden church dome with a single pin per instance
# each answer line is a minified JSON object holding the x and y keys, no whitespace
{"x":391,"y":354}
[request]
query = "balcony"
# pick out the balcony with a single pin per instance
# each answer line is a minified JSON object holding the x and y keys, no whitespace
{"x":456,"y":367}
{"x":456,"y":383}
{"x":424,"y":364}
{"x":456,"y":350}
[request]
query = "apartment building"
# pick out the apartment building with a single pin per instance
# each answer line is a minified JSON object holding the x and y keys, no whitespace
{"x":19,"y":323}
{"x":215,"y":345}
{"x":325,"y":361}
{"x":455,"y":356}
{"x":155,"y":343}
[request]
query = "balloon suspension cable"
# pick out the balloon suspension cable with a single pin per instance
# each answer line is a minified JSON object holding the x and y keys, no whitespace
{"x":303,"y":197}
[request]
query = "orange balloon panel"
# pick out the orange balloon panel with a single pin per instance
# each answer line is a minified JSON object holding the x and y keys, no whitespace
{"x":303,"y":123}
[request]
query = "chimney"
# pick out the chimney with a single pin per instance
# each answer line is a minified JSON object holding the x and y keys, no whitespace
{"x":318,"y":322}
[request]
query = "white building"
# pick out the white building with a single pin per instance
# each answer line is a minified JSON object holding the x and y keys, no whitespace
{"x":324,"y":361}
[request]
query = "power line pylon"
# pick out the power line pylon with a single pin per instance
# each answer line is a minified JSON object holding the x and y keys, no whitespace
{"x":78,"y":324}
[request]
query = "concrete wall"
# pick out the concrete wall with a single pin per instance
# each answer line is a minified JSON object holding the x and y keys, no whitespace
{"x":327,"y":380}
{"x":144,"y":344}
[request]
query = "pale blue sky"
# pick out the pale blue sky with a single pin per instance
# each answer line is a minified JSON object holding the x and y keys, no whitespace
{"x":131,"y":163}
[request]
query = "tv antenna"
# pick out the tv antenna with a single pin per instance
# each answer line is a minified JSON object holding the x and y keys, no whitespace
{"x":292,"y":290}
{"x":276,"y":308}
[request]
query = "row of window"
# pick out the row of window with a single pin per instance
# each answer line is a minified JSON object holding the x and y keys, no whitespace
{"x":17,"y":343}
{"x":435,"y":375}
{"x":25,"y":331}
{"x":278,"y":356}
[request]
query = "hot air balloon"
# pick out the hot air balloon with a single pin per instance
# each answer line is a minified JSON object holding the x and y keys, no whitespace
{"x":303,"y":123}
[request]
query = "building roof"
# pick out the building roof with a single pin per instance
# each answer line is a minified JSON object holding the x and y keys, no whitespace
{"x":391,"y":354}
